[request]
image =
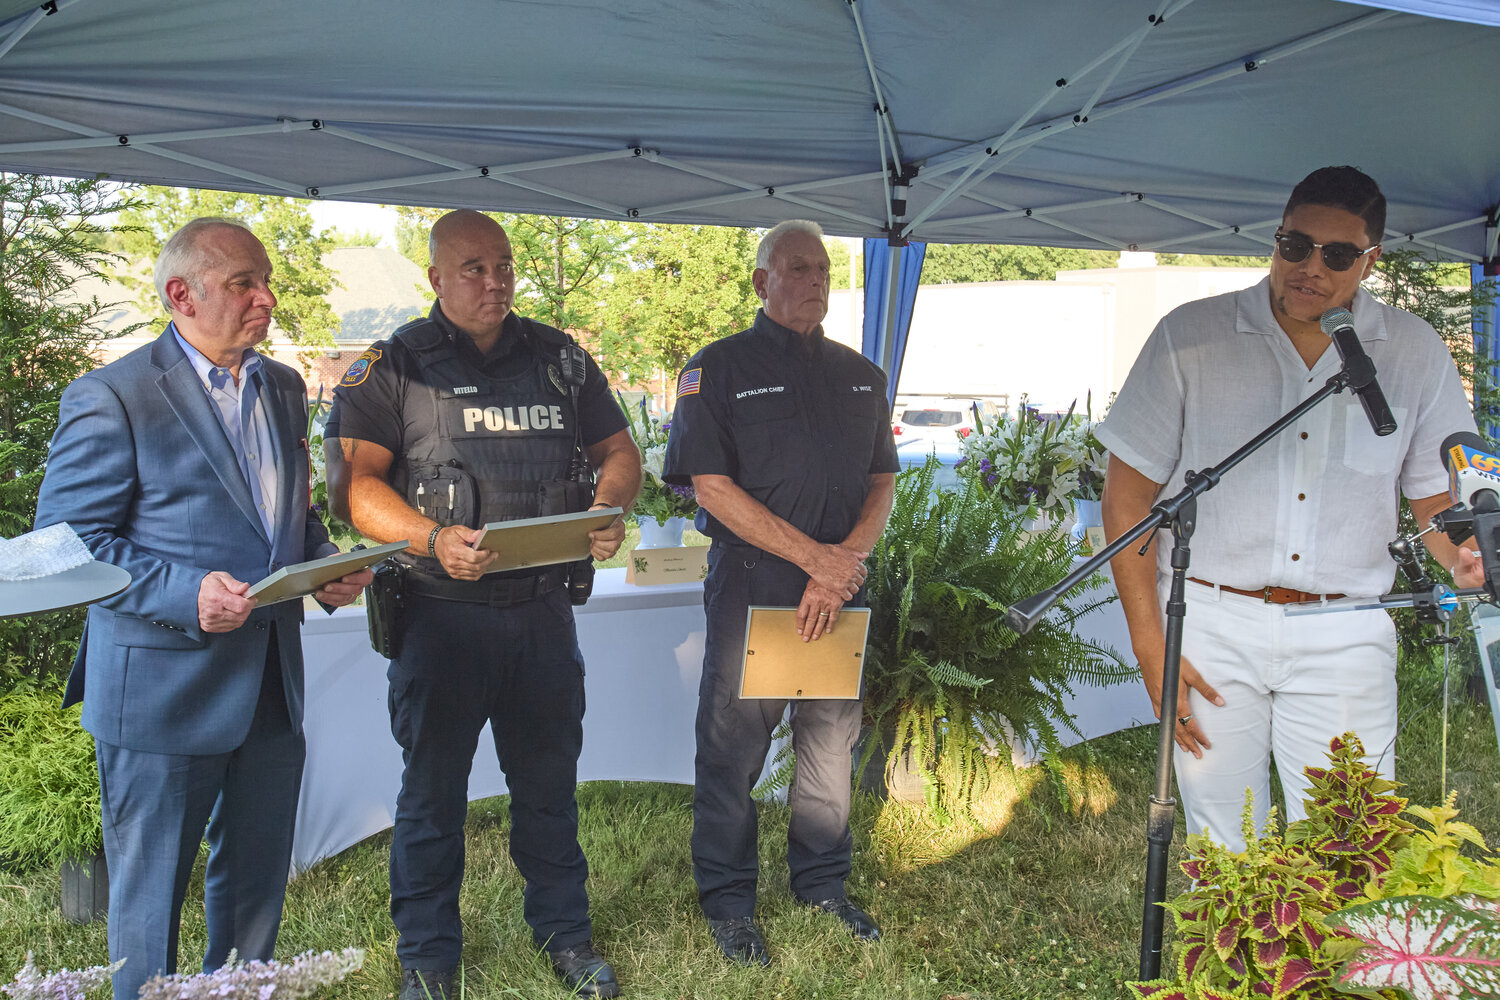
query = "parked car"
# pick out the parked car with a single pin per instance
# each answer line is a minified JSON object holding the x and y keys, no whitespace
{"x":941,"y":418}
{"x":913,"y":454}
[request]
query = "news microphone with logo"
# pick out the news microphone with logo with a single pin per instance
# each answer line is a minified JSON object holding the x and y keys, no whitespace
{"x":1474,"y":481}
{"x":1338,"y":323}
{"x":1473,"y":472}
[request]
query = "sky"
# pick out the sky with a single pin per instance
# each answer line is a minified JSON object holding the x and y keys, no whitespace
{"x":356,"y":217}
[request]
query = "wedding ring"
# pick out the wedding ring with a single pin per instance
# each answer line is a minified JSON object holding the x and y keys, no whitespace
{"x":822,"y":614}
{"x":1185,"y":719}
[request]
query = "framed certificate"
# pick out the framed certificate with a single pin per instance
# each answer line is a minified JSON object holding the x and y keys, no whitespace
{"x":305,"y":577}
{"x":543,"y":541}
{"x":778,"y":664}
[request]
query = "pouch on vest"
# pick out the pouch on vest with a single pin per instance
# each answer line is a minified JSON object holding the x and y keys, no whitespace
{"x":445,"y":493}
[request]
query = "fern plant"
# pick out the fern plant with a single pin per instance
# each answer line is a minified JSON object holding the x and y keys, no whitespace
{"x":947,"y":682}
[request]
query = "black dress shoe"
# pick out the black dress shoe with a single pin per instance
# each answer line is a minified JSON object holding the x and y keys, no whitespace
{"x":860,"y":923}
{"x":740,"y":941}
{"x":427,"y":984}
{"x":584,"y":970}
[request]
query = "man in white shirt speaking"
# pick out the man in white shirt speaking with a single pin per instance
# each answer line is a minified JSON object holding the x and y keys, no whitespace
{"x":1309,"y":515}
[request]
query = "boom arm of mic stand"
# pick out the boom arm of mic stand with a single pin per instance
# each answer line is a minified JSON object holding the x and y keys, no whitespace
{"x":1023,"y":615}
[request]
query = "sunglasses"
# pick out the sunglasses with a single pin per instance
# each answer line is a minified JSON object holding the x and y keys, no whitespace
{"x":1294,"y":249}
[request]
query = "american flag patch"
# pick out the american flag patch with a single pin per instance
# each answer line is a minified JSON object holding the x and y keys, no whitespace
{"x":691,"y":382}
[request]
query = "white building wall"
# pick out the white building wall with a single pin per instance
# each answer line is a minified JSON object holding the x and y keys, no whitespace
{"x":1053,"y":341}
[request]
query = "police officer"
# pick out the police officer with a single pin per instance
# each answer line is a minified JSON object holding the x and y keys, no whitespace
{"x":786,"y":438}
{"x":472,"y":415}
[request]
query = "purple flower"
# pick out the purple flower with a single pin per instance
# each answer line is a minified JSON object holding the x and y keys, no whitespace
{"x":984,"y":465}
{"x":991,"y":479}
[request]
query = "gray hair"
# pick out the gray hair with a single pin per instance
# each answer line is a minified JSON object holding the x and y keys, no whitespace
{"x":180,"y":256}
{"x":768,"y":242}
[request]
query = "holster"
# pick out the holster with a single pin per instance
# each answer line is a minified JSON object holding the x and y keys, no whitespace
{"x":580,"y":581}
{"x":385,"y":607}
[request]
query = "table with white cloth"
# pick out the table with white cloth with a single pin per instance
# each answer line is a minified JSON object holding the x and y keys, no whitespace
{"x":643,"y":650}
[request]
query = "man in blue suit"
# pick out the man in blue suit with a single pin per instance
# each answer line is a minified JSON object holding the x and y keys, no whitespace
{"x":185,"y":463}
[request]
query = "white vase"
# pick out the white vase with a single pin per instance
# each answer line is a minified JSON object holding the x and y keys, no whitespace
{"x":1088,"y":514}
{"x":661,"y":536}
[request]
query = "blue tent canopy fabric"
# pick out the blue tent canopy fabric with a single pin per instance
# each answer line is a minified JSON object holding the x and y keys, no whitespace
{"x":1154,"y":124}
{"x":1486,"y":341}
{"x":877,"y":280}
{"x":1119,"y":124}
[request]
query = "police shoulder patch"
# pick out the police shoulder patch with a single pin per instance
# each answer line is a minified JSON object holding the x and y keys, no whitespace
{"x":360,"y":370}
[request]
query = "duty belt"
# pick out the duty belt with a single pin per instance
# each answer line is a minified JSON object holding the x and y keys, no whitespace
{"x":498,"y":593}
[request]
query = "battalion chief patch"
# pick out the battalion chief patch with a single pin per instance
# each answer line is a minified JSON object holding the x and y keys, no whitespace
{"x":360,"y":370}
{"x":691,"y":382}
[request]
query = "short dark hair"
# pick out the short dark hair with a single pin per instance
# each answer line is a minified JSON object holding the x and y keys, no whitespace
{"x":1343,"y":187}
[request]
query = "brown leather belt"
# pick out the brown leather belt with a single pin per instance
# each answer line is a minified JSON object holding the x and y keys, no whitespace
{"x":1272,"y":595}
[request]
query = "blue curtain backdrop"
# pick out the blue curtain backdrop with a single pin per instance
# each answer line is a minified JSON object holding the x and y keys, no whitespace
{"x":877,"y":271}
{"x":1486,"y":343}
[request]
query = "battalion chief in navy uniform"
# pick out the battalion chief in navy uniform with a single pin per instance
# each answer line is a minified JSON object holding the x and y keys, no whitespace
{"x":786,"y":438}
{"x":461,"y":419}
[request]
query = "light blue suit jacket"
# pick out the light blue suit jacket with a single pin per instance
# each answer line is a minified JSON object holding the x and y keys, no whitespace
{"x":142,"y":470}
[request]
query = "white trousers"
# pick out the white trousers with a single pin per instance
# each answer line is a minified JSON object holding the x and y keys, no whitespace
{"x":1289,"y":684}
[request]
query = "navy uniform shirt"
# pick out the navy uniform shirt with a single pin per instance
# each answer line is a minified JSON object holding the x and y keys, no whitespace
{"x":370,"y":403}
{"x":798,"y":422}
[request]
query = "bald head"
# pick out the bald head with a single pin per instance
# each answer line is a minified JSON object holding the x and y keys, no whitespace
{"x":463,"y":222}
{"x":472,"y":272}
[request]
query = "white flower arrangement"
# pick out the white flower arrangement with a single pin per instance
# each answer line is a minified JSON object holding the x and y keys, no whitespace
{"x":1032,"y":462}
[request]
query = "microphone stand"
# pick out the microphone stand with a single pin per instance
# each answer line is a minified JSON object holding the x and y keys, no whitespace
{"x":1179,"y":514}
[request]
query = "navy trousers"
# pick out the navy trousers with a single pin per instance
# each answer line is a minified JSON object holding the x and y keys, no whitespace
{"x":734,"y":736}
{"x":519,"y":669}
{"x":155,"y":807}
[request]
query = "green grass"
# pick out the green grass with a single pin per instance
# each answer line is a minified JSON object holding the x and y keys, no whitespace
{"x":1044,"y":901}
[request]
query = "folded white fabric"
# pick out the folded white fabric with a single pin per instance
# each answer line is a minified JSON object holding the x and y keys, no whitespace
{"x":44,"y":552}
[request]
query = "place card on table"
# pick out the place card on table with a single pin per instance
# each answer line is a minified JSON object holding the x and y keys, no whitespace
{"x":684,"y":564}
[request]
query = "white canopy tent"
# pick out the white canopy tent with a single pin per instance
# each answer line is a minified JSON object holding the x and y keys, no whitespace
{"x":1124,"y":124}
{"x":1174,"y":124}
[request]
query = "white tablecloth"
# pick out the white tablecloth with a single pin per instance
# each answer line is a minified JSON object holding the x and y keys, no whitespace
{"x":643,"y":649}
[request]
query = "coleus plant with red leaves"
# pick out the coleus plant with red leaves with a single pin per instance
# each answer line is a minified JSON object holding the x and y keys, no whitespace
{"x":1251,"y":925}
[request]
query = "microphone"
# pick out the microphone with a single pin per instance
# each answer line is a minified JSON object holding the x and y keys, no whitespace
{"x":1339,"y":324}
{"x":1474,"y":481}
{"x":1473,"y":473}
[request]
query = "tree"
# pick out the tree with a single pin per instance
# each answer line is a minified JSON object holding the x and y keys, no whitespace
{"x":687,"y":286}
{"x":839,"y":263}
{"x":562,"y":264}
{"x":1443,"y":295}
{"x":948,"y":263}
{"x":337,"y":238}
{"x":50,"y":239}
{"x":300,"y":279}
{"x":1210,"y":260}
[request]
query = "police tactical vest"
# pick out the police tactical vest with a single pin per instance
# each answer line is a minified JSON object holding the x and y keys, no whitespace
{"x":499,"y":449}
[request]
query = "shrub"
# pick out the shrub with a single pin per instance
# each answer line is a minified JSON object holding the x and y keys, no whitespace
{"x":49,"y":784}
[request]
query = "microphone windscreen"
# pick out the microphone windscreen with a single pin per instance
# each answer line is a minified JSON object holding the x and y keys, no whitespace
{"x":1336,"y":319}
{"x":1466,"y":438}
